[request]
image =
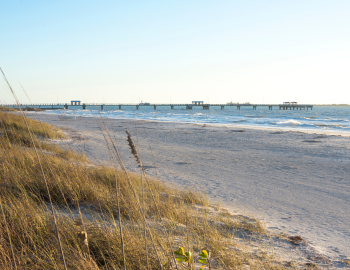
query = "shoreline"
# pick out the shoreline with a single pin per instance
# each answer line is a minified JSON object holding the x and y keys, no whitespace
{"x":233,"y":125}
{"x":204,"y":156}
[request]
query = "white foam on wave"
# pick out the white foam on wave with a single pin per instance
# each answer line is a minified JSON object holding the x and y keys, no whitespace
{"x":289,"y":123}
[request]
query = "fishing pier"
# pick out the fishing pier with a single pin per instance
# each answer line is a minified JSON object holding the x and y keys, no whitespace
{"x":76,"y":104}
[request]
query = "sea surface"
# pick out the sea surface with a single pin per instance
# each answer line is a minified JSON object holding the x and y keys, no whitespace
{"x":321,"y":118}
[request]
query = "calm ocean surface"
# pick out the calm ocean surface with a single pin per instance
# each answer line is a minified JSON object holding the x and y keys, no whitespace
{"x":325,"y":118}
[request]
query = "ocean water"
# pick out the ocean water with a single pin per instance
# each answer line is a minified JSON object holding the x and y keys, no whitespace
{"x":325,"y":118}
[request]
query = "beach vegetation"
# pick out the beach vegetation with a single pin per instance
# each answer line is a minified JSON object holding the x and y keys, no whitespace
{"x":7,"y":109}
{"x":60,"y":211}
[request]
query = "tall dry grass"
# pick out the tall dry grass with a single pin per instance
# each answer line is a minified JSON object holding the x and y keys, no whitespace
{"x":7,"y":109}
{"x":156,"y":218}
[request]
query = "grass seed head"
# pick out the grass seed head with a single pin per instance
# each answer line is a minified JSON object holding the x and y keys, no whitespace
{"x":132,"y":147}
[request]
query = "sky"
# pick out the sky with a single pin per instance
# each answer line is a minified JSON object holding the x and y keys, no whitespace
{"x":176,"y":51}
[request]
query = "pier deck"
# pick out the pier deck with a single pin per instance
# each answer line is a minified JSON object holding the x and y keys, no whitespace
{"x":188,"y":106}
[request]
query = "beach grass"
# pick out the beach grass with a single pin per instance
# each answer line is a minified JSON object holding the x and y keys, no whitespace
{"x":7,"y":109}
{"x":59,"y":211}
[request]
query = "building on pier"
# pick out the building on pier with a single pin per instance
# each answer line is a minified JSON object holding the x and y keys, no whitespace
{"x":75,"y":102}
{"x":197,"y":102}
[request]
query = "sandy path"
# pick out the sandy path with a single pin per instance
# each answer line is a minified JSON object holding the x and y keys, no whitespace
{"x":298,"y":183}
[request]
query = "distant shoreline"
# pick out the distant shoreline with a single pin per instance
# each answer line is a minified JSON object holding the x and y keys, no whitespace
{"x":331,"y":105}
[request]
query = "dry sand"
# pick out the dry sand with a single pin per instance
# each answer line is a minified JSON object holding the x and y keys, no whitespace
{"x":297,"y":182}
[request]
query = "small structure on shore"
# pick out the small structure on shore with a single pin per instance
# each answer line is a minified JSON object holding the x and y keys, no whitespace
{"x":30,"y":109}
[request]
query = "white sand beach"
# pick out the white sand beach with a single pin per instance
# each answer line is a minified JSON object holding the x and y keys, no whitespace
{"x":297,"y":182}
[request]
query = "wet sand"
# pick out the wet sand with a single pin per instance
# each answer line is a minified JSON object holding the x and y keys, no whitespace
{"x":297,"y":182}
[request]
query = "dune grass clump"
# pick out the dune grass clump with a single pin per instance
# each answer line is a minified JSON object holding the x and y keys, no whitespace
{"x":15,"y":133}
{"x":15,"y":123}
{"x":7,"y":109}
{"x":57,"y":210}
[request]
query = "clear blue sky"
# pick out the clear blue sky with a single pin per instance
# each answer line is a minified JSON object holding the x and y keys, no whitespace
{"x":178,"y":51}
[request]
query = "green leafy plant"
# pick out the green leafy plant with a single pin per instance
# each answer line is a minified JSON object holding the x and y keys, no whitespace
{"x":204,"y":259}
{"x":186,"y":257}
{"x":183,"y":257}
